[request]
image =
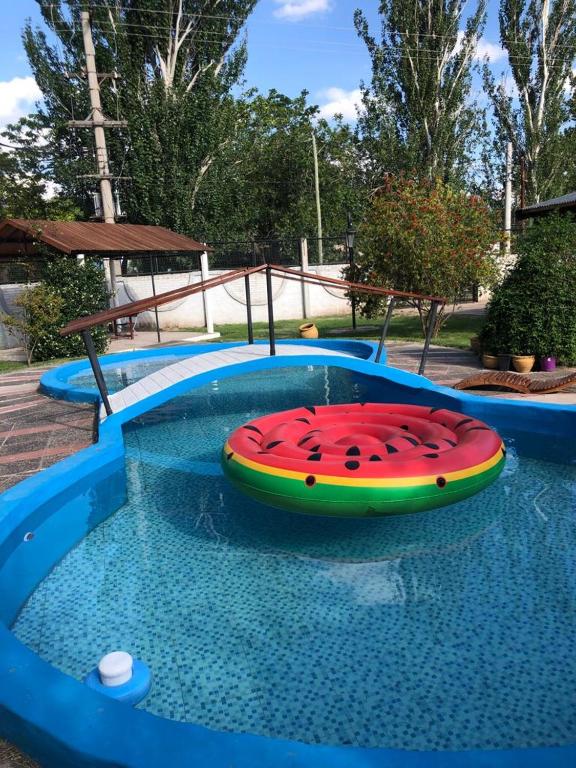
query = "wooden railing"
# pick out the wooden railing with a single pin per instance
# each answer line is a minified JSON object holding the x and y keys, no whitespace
{"x":83,"y":325}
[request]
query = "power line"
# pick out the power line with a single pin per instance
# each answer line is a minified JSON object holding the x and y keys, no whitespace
{"x":228,"y":17}
{"x":357,"y":49}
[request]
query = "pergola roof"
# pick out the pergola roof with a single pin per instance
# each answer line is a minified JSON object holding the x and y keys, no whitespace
{"x":564,"y":203}
{"x":19,"y":236}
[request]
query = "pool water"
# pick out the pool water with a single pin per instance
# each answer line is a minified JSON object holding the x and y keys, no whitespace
{"x":450,"y":629}
{"x":123,"y":374}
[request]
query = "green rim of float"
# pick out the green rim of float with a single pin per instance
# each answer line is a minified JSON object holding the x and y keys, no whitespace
{"x":316,"y":490}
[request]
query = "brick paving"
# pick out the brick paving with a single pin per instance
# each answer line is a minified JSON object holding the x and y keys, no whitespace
{"x":37,"y":431}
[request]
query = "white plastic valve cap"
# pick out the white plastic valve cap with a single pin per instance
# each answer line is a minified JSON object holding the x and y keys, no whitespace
{"x":115,"y":668}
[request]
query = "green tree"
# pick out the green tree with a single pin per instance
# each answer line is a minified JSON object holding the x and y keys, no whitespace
{"x":177,"y":62}
{"x":262,"y":185}
{"x":25,"y":190}
{"x":417,"y":112}
{"x":423,"y":237}
{"x":540,"y":39}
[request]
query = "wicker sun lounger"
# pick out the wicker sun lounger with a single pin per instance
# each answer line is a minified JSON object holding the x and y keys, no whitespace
{"x":516,"y":382}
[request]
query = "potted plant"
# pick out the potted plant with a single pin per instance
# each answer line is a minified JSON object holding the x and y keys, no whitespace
{"x":489,"y":361}
{"x":547,"y":363}
{"x":523,"y":363}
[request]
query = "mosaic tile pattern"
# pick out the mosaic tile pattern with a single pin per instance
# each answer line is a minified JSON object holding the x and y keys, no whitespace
{"x":451,"y":629}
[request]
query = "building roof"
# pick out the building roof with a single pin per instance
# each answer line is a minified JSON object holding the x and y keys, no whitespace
{"x":564,"y":203}
{"x":74,"y":237}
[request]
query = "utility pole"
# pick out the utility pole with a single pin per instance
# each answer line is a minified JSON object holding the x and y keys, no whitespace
{"x":98,"y":122}
{"x":508,"y":199}
{"x":318,"y":206}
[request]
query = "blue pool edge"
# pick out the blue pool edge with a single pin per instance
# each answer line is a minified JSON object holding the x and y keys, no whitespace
{"x":63,"y":723}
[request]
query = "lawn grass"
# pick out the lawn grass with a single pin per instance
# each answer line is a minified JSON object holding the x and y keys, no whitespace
{"x":455,"y":333}
{"x":9,"y":365}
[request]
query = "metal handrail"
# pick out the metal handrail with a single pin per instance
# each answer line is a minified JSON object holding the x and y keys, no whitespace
{"x":83,"y":325}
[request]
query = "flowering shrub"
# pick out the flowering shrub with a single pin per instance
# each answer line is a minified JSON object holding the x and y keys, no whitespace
{"x":424,"y":237}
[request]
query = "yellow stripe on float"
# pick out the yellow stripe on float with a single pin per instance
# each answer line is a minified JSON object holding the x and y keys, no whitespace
{"x":371,"y":482}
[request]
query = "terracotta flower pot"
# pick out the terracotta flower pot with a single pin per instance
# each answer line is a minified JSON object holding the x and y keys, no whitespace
{"x":490,"y":361}
{"x":523,"y":363}
{"x":308,"y":331}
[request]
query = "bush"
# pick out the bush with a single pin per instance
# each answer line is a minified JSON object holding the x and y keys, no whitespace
{"x":533,"y":311}
{"x":66,"y":291}
{"x":424,"y":237}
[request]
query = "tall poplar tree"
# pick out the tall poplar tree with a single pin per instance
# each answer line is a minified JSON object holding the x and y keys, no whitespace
{"x":540,"y":39}
{"x":176,"y":62}
{"x":417,"y":115}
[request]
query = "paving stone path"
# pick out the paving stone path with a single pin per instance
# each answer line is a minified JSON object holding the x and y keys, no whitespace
{"x":36,"y":431}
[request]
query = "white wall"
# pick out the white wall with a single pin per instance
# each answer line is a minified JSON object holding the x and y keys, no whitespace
{"x":228,"y":301}
{"x":8,"y":294}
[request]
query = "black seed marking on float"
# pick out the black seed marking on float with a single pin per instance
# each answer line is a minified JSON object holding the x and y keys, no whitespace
{"x":311,"y":409}
{"x":390,"y":448}
{"x":352,"y":464}
{"x":405,"y":427}
{"x":315,"y":457}
{"x":229,"y":455}
{"x":375,"y":457}
{"x":410,"y":440}
{"x":273,"y":444}
{"x":302,"y":419}
{"x":310,"y":481}
{"x":253,"y":439}
{"x":431,"y":445}
{"x":353,"y":451}
{"x":304,"y":440}
{"x":429,"y":455}
{"x":473,"y":428}
{"x":441,"y":482}
{"x":315,"y":449}
{"x":252,"y":428}
{"x":433,"y":410}
{"x":450,"y":442}
{"x":464,"y":421}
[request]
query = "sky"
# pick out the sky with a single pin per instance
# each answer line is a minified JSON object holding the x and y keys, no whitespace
{"x":292,"y":45}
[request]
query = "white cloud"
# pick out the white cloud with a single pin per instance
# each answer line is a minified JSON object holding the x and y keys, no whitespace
{"x":340,"y":102}
{"x":17,"y":97}
{"x":294,"y":10}
{"x":484,"y":49}
{"x":490,"y":50}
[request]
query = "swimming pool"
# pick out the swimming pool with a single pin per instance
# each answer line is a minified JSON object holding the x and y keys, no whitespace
{"x":445,"y":631}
